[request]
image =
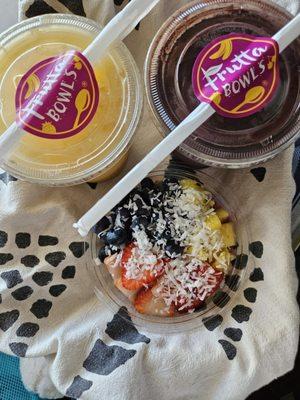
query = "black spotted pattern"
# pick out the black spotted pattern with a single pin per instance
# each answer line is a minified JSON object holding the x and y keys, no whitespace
{"x":41,"y":308}
{"x":257,"y":249}
{"x":28,"y":329}
{"x":7,"y":319}
{"x":68,"y":272}
{"x":256,"y":275}
{"x":78,"y":386}
{"x":220,"y":299}
{"x":118,"y":3}
{"x":19,"y":349}
{"x":75,"y":6}
{"x":39,"y":7}
{"x":5,"y":257}
{"x":229,"y":349}
{"x":104,"y":359}
{"x":57,"y":290}
{"x":45,"y":240}
{"x":234,"y":334}
{"x":30,"y":261}
{"x":11,"y":278}
{"x":122,"y":329}
{"x":3,"y":238}
{"x":92,"y":185}
{"x":259,"y":173}
{"x":232,"y":281}
{"x":211,"y":323}
{"x":250,"y":295}
{"x":241,"y":313}
{"x":42,"y":278}
{"x":55,"y":258}
{"x":78,"y":248}
{"x":241,"y":261}
{"x":23,"y":240}
{"x":6,"y":178}
{"x":22,"y":293}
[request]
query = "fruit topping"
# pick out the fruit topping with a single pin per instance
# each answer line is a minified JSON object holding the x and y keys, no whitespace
{"x":187,"y":284}
{"x":147,"y":303}
{"x":174,"y":245}
{"x":228,"y":234}
{"x":116,"y":236}
{"x":139,"y":269}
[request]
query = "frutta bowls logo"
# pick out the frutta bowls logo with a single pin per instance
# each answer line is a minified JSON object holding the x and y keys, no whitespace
{"x":237,"y":74}
{"x":58,"y":97}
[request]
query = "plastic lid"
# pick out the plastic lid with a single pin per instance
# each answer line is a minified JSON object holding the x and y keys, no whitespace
{"x":222,"y":141}
{"x":220,"y":303}
{"x":105,"y":139}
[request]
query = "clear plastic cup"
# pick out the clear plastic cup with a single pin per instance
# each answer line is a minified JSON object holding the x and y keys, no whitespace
{"x":99,"y":151}
{"x":222,"y":142}
{"x":109,"y":295}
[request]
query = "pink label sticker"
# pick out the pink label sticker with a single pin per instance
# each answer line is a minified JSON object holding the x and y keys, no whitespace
{"x":57,"y":97}
{"x":237,"y":74}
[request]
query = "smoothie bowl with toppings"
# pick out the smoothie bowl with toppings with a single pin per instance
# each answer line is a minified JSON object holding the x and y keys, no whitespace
{"x":170,"y":252}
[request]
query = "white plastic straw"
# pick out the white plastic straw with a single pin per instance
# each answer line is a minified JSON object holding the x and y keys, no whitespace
{"x":119,"y":27}
{"x":204,"y":111}
{"x":288,"y":33}
{"x":158,"y":154}
{"x":116,"y":30}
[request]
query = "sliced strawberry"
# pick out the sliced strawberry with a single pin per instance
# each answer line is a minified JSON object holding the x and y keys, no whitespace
{"x":146,"y":303}
{"x":213,"y":278}
{"x":194,"y":304}
{"x":147,"y":276}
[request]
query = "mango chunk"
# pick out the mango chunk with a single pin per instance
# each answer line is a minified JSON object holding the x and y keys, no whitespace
{"x":219,"y":267}
{"x":213,"y":222}
{"x":222,"y":214}
{"x":191,"y":184}
{"x":203,"y":255}
{"x":228,"y":234}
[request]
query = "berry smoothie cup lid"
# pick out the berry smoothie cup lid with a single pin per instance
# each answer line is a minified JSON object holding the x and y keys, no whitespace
{"x":222,"y":141}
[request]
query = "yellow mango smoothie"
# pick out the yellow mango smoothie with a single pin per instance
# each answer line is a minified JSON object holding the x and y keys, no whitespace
{"x":96,"y":149}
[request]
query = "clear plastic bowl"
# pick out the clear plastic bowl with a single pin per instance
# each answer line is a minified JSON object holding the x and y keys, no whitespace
{"x":108,"y":294}
{"x":222,"y":142}
{"x":99,"y":150}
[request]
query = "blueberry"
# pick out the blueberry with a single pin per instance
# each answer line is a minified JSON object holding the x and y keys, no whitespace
{"x":102,"y":225}
{"x":147,"y":183}
{"x":134,"y":194}
{"x":104,"y":252}
{"x":167,"y":182}
{"x":124,"y":213}
{"x":167,"y":235}
{"x":143,"y":212}
{"x":112,"y":217}
{"x":139,"y":222}
{"x":116,"y":236}
{"x":157,"y":235}
{"x":139,"y":202}
{"x":102,"y":236}
{"x":173,"y":250}
{"x":145,"y":196}
{"x":155,"y":216}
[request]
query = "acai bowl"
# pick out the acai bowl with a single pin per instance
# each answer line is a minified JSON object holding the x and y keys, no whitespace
{"x":174,"y":252}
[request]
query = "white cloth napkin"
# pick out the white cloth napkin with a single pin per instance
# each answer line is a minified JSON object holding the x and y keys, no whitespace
{"x":72,"y":345}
